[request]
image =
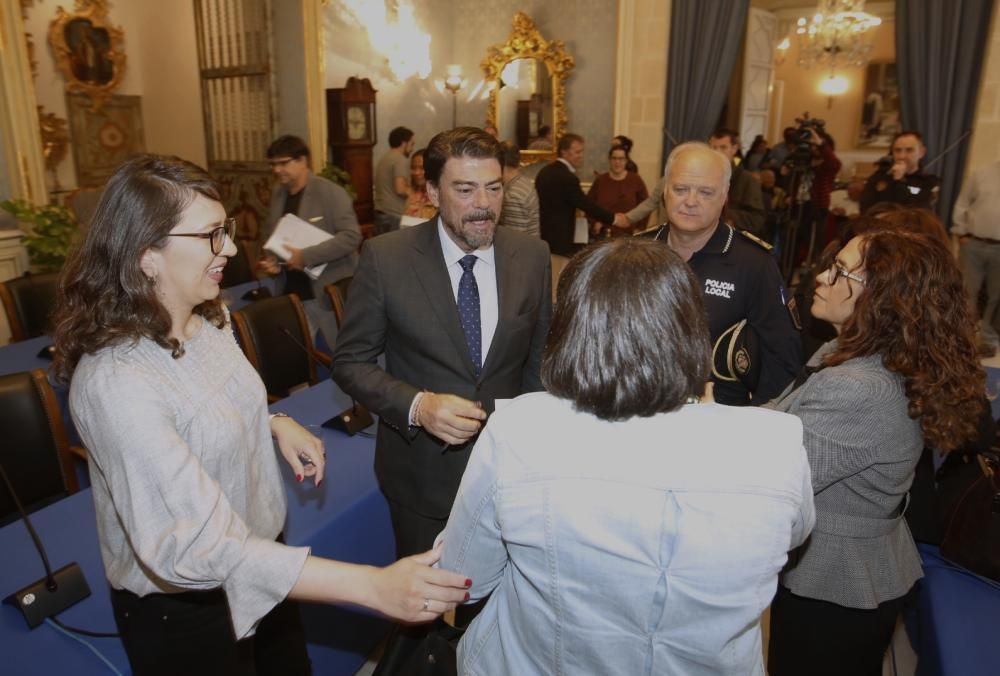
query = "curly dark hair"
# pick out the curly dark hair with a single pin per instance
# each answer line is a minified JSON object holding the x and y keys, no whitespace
{"x":912,"y":313}
{"x":104,"y":297}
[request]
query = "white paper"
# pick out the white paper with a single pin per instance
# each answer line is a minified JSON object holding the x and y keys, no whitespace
{"x":293,"y":231}
{"x":410,"y":221}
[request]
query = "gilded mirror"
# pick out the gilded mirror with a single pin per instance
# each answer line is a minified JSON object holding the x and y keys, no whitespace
{"x":527,"y":80}
{"x":89,"y":52}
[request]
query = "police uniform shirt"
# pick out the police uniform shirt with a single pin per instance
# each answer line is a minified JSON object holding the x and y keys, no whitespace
{"x":740,"y":280}
{"x":913,"y":190}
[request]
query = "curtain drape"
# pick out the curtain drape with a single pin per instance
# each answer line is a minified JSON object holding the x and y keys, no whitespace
{"x":940,"y":46}
{"x":705,"y":39}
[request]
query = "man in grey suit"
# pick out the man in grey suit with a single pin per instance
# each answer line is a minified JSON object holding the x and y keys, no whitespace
{"x":460,"y":310}
{"x":325,"y":205}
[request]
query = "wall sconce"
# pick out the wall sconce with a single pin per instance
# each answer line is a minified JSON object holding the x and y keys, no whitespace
{"x":835,"y":85}
{"x":453,"y":82}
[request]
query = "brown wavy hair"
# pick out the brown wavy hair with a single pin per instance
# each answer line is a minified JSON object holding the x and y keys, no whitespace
{"x":912,"y":312}
{"x":104,"y":297}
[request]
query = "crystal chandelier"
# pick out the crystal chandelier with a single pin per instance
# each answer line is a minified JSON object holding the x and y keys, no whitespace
{"x":839,"y":34}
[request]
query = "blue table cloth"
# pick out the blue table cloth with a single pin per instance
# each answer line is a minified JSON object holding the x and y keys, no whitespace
{"x":345,"y":518}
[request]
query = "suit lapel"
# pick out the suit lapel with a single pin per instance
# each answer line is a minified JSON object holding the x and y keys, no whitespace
{"x":428,"y":262}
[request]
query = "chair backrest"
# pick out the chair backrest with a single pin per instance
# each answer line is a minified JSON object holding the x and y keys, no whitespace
{"x":275,"y":338}
{"x":28,"y":301}
{"x":240,"y":268}
{"x":337,"y":293}
{"x":35,"y":451}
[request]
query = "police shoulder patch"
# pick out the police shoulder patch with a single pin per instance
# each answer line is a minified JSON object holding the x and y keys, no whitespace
{"x":756,"y":240}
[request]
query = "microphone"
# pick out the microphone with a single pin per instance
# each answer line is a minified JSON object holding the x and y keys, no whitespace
{"x":55,"y":592}
{"x":349,"y":421}
{"x":260,"y":293}
{"x":47,"y":352}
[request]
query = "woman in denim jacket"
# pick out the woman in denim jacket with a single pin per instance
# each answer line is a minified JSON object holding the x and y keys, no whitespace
{"x":623,"y":523}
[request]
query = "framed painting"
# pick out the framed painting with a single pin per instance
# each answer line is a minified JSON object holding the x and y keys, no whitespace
{"x":880,"y":115}
{"x":103,"y":139}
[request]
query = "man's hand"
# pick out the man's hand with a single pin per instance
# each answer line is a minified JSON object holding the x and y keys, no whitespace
{"x":449,"y":418}
{"x":898,"y":170}
{"x":621,"y":221}
{"x":269,"y":265}
{"x":296,"y":261}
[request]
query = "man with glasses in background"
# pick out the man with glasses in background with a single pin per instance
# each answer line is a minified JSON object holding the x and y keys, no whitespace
{"x":325,"y":205}
{"x":757,"y":350}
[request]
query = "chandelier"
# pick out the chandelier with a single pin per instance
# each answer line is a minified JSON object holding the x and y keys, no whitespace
{"x":839,"y":34}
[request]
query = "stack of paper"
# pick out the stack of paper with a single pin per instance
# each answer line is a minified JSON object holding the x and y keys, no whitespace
{"x":293,"y":231}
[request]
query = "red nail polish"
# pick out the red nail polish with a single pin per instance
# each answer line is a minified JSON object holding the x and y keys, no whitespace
{"x":468,"y":583}
{"x":466,"y":596}
{"x":298,"y":477}
{"x":318,"y":483}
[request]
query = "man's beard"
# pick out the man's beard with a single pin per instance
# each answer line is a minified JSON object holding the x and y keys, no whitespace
{"x":473,"y":238}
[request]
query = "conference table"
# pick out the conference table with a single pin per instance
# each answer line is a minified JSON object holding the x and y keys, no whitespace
{"x":345,"y":518}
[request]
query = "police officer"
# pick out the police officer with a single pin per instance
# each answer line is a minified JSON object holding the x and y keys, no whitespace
{"x":757,"y":347}
{"x":902,"y":182}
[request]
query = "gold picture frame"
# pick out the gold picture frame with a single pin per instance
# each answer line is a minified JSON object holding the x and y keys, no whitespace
{"x":88,"y":51}
{"x":525,"y":42}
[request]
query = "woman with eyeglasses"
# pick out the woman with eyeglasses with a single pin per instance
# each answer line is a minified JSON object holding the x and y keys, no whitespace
{"x":186,"y":483}
{"x":901,"y":374}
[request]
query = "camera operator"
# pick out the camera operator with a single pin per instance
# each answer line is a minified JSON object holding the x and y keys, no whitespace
{"x":899,"y":178}
{"x":812,"y":168}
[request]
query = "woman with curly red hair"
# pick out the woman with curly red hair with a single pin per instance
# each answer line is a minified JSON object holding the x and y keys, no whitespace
{"x":901,"y":374}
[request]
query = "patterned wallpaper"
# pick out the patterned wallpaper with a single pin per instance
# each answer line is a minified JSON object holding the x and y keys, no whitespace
{"x":461,"y":30}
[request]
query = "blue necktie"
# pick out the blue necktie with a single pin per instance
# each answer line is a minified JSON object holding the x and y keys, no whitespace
{"x":468,"y":312}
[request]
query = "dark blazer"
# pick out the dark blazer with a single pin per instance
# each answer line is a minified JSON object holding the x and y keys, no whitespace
{"x":327,"y":206}
{"x":559,"y":196}
{"x":401,"y":304}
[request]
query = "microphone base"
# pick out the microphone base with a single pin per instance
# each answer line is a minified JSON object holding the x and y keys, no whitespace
{"x":37,"y":602}
{"x":259,"y":293}
{"x":350,"y":421}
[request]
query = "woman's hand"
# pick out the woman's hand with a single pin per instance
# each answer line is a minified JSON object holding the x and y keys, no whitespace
{"x":411,"y":591}
{"x":303,"y":452}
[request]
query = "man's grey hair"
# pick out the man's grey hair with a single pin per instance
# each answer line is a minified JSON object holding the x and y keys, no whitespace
{"x":724,"y":163}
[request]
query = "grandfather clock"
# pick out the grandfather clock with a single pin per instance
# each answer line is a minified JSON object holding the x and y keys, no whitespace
{"x":350,"y":115}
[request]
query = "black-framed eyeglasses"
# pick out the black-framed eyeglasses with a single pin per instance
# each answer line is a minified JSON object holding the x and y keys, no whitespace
{"x":836,"y":270}
{"x":215,"y":236}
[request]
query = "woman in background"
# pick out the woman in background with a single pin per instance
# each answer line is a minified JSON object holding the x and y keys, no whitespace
{"x":187,"y":490}
{"x":901,"y":374}
{"x":623,"y":523}
{"x":619,"y":191}
{"x":418,"y":203}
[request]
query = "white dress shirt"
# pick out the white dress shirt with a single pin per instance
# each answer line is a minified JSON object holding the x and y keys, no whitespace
{"x":485,"y":272}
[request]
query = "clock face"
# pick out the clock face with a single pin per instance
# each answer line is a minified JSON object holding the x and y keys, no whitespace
{"x":357,"y":123}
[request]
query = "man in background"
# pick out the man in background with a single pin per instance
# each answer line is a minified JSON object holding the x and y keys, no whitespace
{"x":976,"y":222}
{"x":744,"y":204}
{"x":325,"y":205}
{"x":903,"y":182}
{"x":392,"y":181}
{"x":520,"y":201}
{"x":559,"y":196}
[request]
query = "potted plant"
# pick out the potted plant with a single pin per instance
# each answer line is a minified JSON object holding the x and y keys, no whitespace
{"x":49,"y":232}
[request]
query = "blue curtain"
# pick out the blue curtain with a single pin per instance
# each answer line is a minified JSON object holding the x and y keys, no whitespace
{"x":705,"y":39}
{"x":940,"y":46}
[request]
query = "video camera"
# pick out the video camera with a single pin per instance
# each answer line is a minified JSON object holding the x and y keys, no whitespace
{"x":801,"y":155}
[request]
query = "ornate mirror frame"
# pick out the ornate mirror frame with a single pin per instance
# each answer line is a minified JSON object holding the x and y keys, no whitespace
{"x":95,"y":12}
{"x":525,"y":42}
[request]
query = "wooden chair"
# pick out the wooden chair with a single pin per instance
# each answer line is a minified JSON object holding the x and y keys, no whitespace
{"x":35,"y":452}
{"x":337,"y":293}
{"x":28,"y":301}
{"x":274,"y":335}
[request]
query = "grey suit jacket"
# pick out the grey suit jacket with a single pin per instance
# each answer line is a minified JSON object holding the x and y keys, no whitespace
{"x":401,"y":304}
{"x":863,"y":448}
{"x":327,"y":206}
